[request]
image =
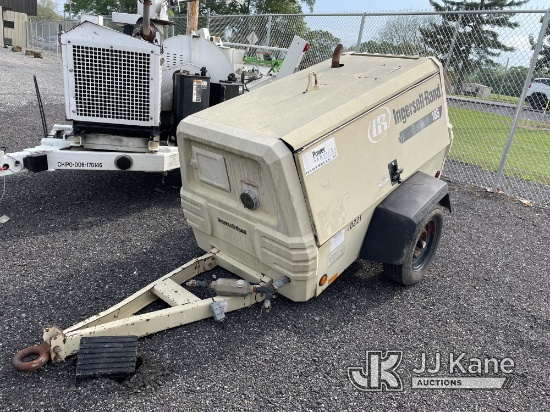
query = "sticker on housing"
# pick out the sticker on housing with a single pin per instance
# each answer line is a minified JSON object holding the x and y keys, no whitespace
{"x":337,"y":247}
{"x":319,"y":156}
{"x":420,"y":125}
{"x":197,"y":91}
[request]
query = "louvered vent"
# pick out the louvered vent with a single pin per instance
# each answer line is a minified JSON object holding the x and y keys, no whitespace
{"x":173,"y":60}
{"x":112,"y":84}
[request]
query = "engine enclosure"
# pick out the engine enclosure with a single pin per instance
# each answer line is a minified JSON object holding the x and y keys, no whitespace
{"x":317,"y":161}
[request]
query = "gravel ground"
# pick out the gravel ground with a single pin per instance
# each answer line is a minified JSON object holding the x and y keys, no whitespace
{"x":79,"y":242}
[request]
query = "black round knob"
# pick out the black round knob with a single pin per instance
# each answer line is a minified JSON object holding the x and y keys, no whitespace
{"x":249,"y":199}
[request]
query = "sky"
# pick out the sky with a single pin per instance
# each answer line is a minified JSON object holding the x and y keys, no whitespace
{"x":346,"y":31}
{"x":350,"y":6}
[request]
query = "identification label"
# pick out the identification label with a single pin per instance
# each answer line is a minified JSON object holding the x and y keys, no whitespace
{"x":197,"y":91}
{"x":319,"y":156}
{"x":80,"y":165}
{"x":337,"y":247}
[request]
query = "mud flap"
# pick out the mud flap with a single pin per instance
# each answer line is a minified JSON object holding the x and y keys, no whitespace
{"x":394,"y":221}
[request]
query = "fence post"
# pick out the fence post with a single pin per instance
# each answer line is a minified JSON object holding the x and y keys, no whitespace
{"x":360,"y":37}
{"x":519,"y":109}
{"x":208,"y":18}
{"x":268,"y":37}
{"x":453,"y":41}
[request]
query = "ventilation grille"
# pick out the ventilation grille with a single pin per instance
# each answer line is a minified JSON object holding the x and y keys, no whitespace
{"x":173,"y":60}
{"x":112,"y":84}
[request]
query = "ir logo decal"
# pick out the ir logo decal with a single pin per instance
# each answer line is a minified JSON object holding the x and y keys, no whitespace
{"x":378,"y":126}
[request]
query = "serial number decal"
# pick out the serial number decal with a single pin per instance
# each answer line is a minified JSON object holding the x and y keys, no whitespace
{"x":337,"y":247}
{"x":80,"y":165}
{"x":420,"y":125}
{"x":319,"y":156}
{"x":354,"y":222}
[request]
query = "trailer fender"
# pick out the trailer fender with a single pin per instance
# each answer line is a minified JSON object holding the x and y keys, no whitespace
{"x":395,"y":219}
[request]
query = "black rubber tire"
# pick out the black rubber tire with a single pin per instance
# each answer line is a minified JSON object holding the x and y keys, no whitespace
{"x":415,"y":268}
{"x":538,"y":101}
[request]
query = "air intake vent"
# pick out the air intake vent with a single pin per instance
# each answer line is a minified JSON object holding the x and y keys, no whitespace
{"x":111,"y":84}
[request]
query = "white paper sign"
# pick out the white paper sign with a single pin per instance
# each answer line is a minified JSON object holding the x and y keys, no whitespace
{"x":319,"y":156}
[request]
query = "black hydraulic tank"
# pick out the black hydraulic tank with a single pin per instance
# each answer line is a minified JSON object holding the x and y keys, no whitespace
{"x":224,"y":90}
{"x":191,"y":95}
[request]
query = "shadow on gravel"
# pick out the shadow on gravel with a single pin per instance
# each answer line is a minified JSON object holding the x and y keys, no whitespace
{"x":66,"y":200}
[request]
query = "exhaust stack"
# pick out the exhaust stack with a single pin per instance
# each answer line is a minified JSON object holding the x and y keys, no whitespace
{"x":147,"y":33}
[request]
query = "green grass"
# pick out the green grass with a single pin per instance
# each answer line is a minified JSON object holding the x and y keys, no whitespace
{"x":479,"y":139}
{"x":504,"y":99}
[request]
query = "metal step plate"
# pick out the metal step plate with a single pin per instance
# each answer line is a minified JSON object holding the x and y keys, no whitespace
{"x":107,"y":356}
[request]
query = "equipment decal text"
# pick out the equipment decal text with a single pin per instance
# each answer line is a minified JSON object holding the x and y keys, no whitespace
{"x":80,"y":165}
{"x":319,"y":156}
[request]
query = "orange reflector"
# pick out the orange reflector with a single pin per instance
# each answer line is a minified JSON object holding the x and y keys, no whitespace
{"x":332,"y":279}
{"x":323,"y":280}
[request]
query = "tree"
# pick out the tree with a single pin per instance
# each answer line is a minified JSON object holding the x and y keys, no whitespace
{"x":321,"y":46}
{"x":404,"y":33}
{"x":217,"y":7}
{"x":235,"y":29}
{"x":477,"y":43}
{"x":400,"y":35}
{"x":503,"y":81}
{"x":46,"y":10}
{"x":102,"y":7}
{"x":386,"y":47}
{"x":232,"y":7}
{"x":543,"y":62}
{"x":257,"y":6}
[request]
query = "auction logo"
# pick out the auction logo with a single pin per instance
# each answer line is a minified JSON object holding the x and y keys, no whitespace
{"x":437,"y":371}
{"x":379,"y":373}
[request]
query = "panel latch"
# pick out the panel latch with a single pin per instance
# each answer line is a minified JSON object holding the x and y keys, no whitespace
{"x":395,"y":172}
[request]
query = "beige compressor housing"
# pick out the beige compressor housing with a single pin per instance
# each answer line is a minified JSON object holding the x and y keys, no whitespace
{"x":305,"y":175}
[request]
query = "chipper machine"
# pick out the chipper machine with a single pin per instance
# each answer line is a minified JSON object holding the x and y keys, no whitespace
{"x":285,"y":187}
{"x":126,"y":91}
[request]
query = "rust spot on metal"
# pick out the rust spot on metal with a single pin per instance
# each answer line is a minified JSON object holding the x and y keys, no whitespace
{"x":336,"y":56}
{"x":42,"y":353}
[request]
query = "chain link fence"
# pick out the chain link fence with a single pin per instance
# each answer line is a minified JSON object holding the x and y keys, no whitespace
{"x":501,"y":124}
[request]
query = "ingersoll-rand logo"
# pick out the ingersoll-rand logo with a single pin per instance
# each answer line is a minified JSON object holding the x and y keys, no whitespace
{"x":378,"y":126}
